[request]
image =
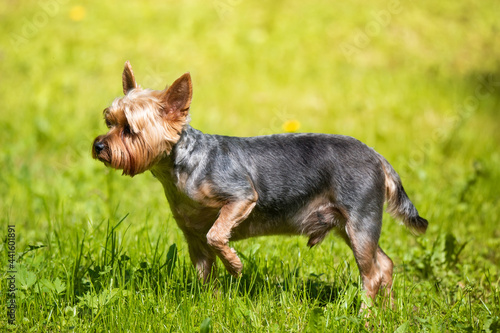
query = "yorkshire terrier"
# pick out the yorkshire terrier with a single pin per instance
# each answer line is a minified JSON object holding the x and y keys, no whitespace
{"x":223,"y":188}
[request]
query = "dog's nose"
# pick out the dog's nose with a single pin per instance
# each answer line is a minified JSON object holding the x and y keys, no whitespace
{"x":99,"y":146}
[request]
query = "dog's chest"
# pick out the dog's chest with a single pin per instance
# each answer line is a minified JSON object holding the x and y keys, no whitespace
{"x":190,"y":215}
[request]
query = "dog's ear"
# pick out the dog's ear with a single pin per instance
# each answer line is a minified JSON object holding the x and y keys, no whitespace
{"x":177,"y":98}
{"x":128,"y":78}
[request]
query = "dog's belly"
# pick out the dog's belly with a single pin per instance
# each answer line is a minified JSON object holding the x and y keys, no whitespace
{"x":259,"y":225}
{"x":314,"y":219}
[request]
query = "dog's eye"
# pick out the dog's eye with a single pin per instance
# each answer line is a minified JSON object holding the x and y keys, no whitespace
{"x":108,"y":123}
{"x":126,"y":129}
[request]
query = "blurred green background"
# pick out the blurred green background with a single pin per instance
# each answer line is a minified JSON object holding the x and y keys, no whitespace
{"x":417,"y":80}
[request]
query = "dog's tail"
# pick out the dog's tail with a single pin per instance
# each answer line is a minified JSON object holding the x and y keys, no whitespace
{"x":398,"y":203}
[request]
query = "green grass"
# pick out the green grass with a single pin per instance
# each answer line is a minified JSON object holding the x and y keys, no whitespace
{"x":98,"y":252}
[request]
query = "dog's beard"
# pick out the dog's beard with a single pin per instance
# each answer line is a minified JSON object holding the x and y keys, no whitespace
{"x":136,"y":153}
{"x":132,"y":155}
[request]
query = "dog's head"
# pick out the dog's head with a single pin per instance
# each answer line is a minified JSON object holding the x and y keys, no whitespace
{"x":143,"y":125}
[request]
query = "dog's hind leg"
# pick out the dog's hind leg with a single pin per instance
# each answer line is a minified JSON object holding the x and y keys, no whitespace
{"x":375,"y":267}
{"x":386,"y":266}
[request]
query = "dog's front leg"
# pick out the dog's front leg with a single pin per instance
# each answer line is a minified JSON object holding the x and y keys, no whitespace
{"x":202,"y":257}
{"x":218,"y":236}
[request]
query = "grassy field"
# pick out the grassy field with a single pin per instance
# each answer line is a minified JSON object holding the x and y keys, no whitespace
{"x":98,"y":252}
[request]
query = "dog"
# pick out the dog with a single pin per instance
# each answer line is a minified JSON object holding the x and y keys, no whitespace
{"x":223,"y":188}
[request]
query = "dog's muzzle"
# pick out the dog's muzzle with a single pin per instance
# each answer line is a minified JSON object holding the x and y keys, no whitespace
{"x":99,"y":146}
{"x":100,"y":150}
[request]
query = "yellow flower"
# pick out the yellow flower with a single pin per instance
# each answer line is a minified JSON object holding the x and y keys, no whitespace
{"x":77,"y":13}
{"x":291,"y":125}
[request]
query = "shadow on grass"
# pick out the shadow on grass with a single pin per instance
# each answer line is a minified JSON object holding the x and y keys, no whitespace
{"x":164,"y":274}
{"x":312,"y":289}
{"x":274,"y":281}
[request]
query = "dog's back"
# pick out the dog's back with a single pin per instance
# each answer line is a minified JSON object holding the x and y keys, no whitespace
{"x":306,"y":183}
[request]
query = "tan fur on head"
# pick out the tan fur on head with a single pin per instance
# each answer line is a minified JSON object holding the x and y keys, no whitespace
{"x":144,"y":124}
